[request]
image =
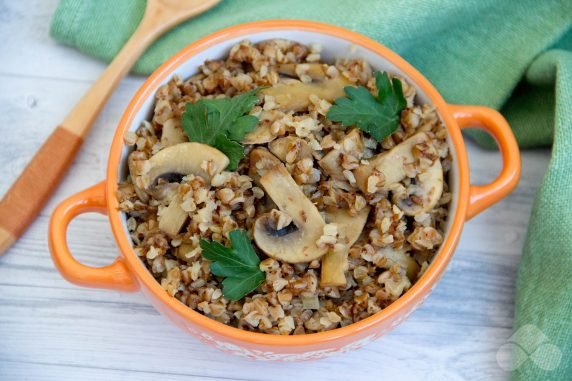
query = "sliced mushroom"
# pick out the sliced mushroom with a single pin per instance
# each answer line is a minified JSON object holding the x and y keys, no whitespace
{"x":351,"y":144}
{"x":390,"y":164}
{"x":424,"y":191}
{"x":165,"y":191}
{"x":260,"y":135}
{"x":290,"y":149}
{"x":296,"y":242}
{"x":295,"y":96}
{"x":335,"y":262}
{"x":400,"y":257}
{"x":172,"y":218}
{"x":184,"y":159}
{"x":172,"y":133}
{"x":349,"y":227}
{"x":422,"y":195}
{"x":315,"y":71}
{"x":261,"y":161}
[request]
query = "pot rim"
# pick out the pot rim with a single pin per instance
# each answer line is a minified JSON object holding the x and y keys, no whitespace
{"x":406,"y":302}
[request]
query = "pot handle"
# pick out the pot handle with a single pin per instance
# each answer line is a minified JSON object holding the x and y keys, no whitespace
{"x":115,"y":276}
{"x":483,"y":196}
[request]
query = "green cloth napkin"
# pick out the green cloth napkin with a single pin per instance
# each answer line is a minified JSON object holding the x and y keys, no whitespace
{"x":512,"y":55}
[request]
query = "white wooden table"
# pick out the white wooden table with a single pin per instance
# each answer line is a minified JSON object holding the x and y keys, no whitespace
{"x":52,"y":330}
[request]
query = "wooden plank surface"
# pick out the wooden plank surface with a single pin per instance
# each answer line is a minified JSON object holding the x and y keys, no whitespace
{"x":52,"y":330}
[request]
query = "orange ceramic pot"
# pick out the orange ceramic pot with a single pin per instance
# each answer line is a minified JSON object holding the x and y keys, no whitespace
{"x":128,"y":273}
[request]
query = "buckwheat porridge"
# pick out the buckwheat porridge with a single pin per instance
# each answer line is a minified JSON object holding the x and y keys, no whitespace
{"x":278,"y":193}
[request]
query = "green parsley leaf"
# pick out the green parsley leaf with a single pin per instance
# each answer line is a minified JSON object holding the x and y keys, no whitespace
{"x":194,"y":120}
{"x":233,"y":150}
{"x":238,"y":264}
{"x":377,"y":116}
{"x":221,"y":123}
{"x":360,"y":109}
{"x":243,"y":126}
{"x":227,"y":110}
{"x":391,"y":96}
{"x":233,"y":287}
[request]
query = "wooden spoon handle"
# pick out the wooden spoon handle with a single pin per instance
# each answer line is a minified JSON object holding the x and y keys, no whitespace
{"x":25,"y":199}
{"x":29,"y":193}
{"x":83,"y":115}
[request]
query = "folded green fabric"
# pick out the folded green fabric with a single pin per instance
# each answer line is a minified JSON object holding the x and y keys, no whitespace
{"x":507,"y":54}
{"x":542,"y":349}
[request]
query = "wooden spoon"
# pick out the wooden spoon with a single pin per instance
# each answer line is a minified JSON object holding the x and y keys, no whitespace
{"x":29,"y":193}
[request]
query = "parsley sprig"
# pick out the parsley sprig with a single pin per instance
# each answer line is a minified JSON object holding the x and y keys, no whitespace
{"x":238,"y":264}
{"x":221,"y":123}
{"x":379,"y":116}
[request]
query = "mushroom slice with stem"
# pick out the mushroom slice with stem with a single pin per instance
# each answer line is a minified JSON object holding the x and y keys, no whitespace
{"x":290,"y":149}
{"x":172,"y":218}
{"x":295,"y":95}
{"x":315,"y":71}
{"x":335,"y":262}
{"x":422,"y":195}
{"x":351,"y":144}
{"x":296,"y":242}
{"x":184,"y":159}
{"x":172,"y":133}
{"x":424,"y":191}
{"x":390,"y":165}
{"x":261,"y":161}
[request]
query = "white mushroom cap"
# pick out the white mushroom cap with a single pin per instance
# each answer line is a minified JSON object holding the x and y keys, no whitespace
{"x":390,"y":164}
{"x":295,"y":96}
{"x":184,"y":159}
{"x":297,"y":242}
{"x":390,"y":168}
{"x":424,"y":194}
